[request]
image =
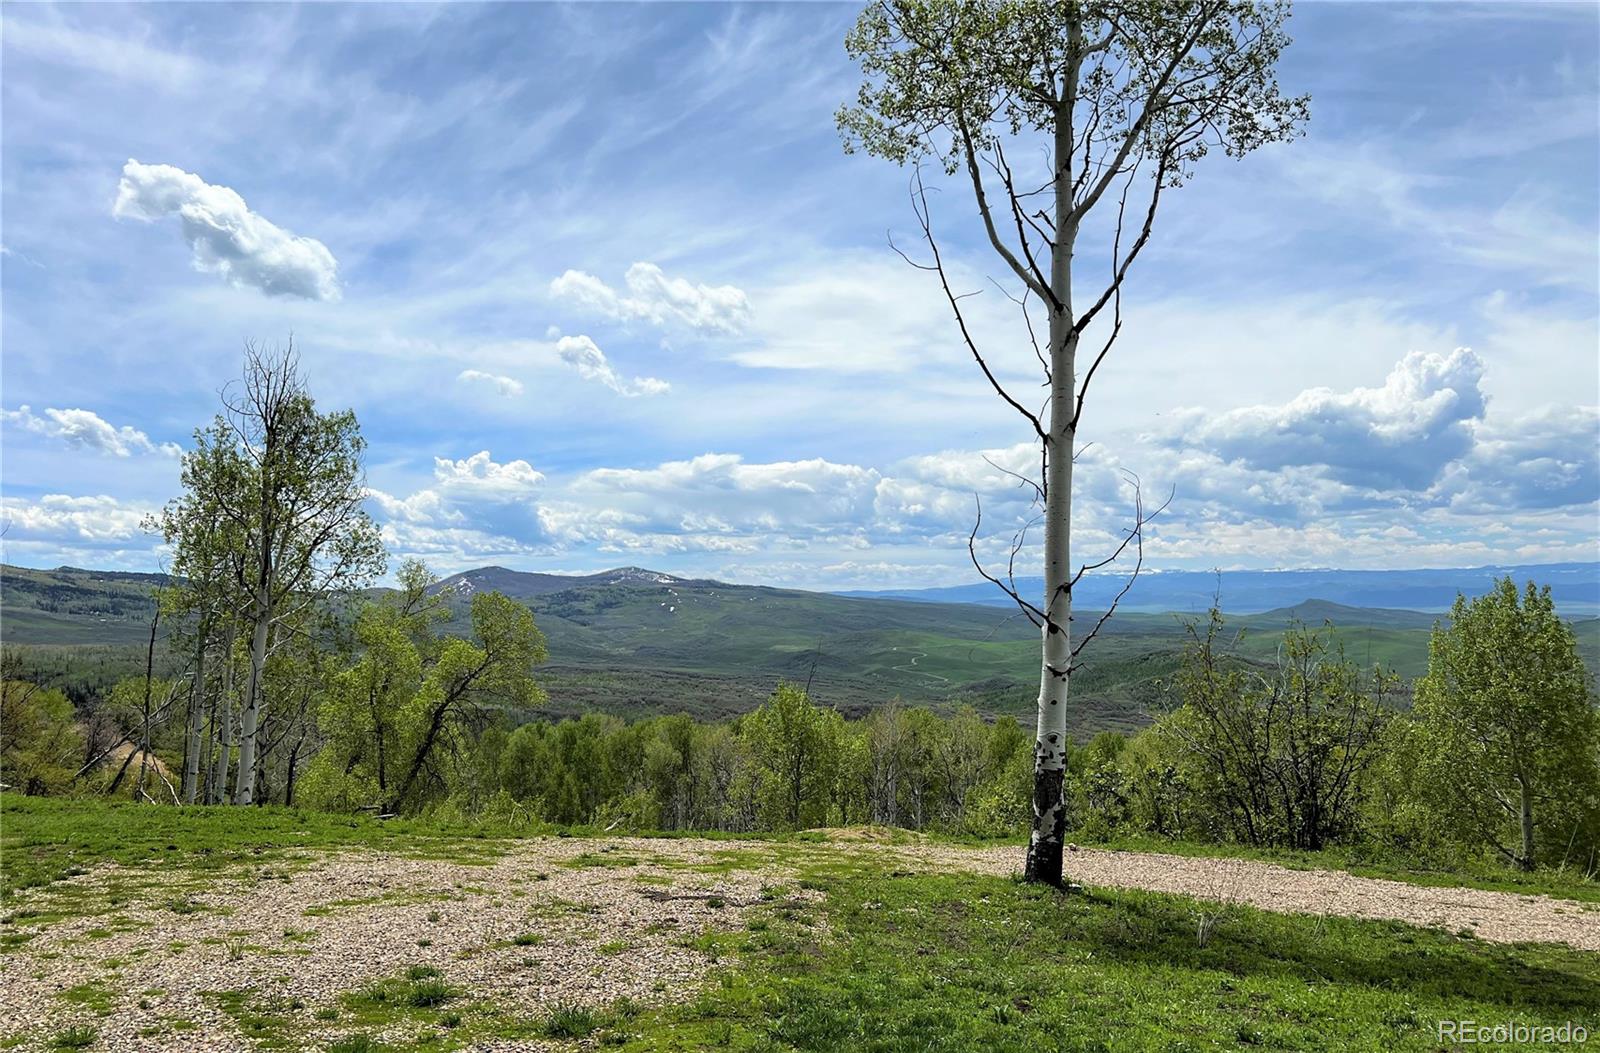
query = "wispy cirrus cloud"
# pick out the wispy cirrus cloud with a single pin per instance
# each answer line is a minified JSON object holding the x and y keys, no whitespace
{"x":1428,"y":208}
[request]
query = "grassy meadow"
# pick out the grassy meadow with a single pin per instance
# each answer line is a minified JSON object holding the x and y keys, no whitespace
{"x":840,"y":951}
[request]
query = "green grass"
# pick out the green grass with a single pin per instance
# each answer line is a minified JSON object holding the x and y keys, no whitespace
{"x":883,"y":963}
{"x":570,"y":1021}
{"x":973,"y":963}
{"x":48,"y":839}
{"x":45,"y":839}
{"x":74,"y":1038}
{"x":91,"y":995}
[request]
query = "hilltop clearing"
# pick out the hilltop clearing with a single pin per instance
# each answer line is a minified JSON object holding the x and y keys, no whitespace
{"x":397,"y":939}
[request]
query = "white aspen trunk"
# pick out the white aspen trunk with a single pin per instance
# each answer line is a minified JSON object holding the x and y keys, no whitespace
{"x":250,"y":715}
{"x":1525,"y":816}
{"x":219,"y":772}
{"x":209,"y":760}
{"x":1050,"y":738}
{"x":197,"y":705}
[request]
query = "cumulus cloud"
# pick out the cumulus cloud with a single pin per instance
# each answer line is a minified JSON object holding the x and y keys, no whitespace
{"x":98,"y":519}
{"x":653,"y":297}
{"x":584,"y":355}
{"x":1548,"y":459}
{"x":722,"y":503}
{"x":506,"y":386}
{"x":1401,"y":435}
{"x":476,"y":506}
{"x":86,"y":430}
{"x":243,"y":247}
{"x":721,"y":493}
{"x":715,"y":503}
{"x":479,"y":474}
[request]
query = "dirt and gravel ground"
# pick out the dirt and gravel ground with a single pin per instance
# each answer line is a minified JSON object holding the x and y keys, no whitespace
{"x":551,"y":922}
{"x":1500,"y":917}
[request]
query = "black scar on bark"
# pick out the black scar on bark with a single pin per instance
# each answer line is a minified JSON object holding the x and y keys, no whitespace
{"x":1044,"y":849}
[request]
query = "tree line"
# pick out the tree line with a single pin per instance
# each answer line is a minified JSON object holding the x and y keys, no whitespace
{"x":1499,"y":756}
{"x":285,"y":681}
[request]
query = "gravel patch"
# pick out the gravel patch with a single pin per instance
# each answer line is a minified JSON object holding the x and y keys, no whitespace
{"x":1499,"y":917}
{"x":526,"y":931}
{"x":551,"y":922}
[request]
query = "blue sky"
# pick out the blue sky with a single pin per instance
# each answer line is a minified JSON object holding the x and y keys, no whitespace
{"x":604,"y":289}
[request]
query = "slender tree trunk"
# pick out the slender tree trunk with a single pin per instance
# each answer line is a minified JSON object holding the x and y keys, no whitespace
{"x":197,"y":702}
{"x":111,"y":791}
{"x":208,"y":760}
{"x":212,"y":738}
{"x":1050,"y":739}
{"x":250,"y":716}
{"x":424,"y":749}
{"x":1526,"y":860}
{"x":149,"y":671}
{"x":219,"y":772}
{"x":294,"y":757}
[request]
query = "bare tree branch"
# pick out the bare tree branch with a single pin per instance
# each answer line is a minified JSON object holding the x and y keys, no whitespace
{"x":1135,"y":536}
{"x":919,"y":204}
{"x":1035,"y":615}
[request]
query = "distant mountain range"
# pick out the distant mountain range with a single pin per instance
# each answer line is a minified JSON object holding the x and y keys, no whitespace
{"x":634,"y":642}
{"x":1575,"y":587}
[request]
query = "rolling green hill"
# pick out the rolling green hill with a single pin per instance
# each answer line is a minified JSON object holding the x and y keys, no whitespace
{"x":636,"y":642}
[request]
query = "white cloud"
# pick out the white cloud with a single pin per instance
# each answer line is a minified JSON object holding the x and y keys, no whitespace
{"x":710,"y":504}
{"x":86,"y":430}
{"x":1400,"y":435}
{"x":476,"y":507}
{"x":1547,"y":459}
{"x":11,"y":253}
{"x":585,"y":356}
{"x":654,"y":297}
{"x":96,"y":519}
{"x":245,"y":248}
{"x":720,"y":493}
{"x":506,"y":386}
{"x":479,"y":474}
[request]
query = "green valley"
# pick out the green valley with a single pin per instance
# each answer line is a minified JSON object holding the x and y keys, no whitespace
{"x":637,"y":643}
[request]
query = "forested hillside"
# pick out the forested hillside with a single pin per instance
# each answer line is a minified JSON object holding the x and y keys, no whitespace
{"x":714,"y":649}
